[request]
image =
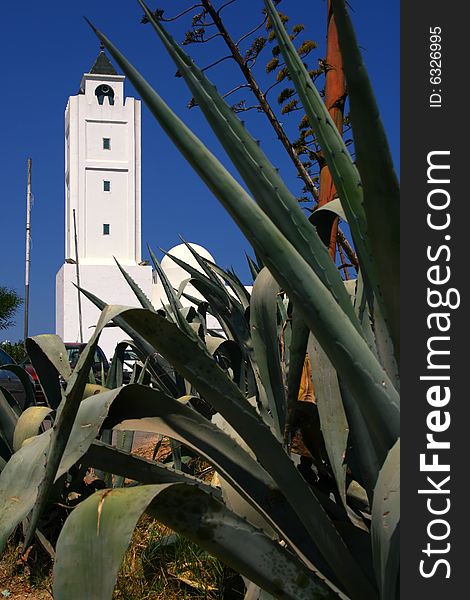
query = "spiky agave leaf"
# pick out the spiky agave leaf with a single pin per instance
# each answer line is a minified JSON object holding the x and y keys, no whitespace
{"x":263,"y":324}
{"x":24,"y":472}
{"x":28,"y":424}
{"x":99,"y":530}
{"x":375,"y":164}
{"x":263,"y":180}
{"x":26,"y":382}
{"x":333,"y":421}
{"x":50,"y":359}
{"x":8,"y":420}
{"x":158,"y":370}
{"x":333,"y":328}
{"x":73,"y":396}
{"x":385,"y":528}
{"x":344,"y":173}
{"x":139,"y":294}
{"x":226,"y":398}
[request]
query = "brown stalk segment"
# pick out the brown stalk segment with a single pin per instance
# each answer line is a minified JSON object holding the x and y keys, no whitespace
{"x":335,"y":93}
{"x":303,"y":173}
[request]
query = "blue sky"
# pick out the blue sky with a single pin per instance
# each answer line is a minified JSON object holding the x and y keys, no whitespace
{"x":46,"y":47}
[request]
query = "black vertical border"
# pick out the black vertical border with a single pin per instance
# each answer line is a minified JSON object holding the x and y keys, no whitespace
{"x":425,"y":129}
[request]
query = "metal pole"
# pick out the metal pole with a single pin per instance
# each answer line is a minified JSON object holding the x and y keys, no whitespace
{"x":77,"y":268}
{"x":28,"y":250}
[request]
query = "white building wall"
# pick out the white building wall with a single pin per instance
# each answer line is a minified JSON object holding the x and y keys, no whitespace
{"x":87,"y":166}
{"x":109,"y":285}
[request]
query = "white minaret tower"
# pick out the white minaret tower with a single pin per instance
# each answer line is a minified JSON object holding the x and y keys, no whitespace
{"x":102,"y":189}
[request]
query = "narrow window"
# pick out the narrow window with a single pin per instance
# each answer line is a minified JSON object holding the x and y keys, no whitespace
{"x":105,"y":228}
{"x":106,"y":186}
{"x":106,"y":143}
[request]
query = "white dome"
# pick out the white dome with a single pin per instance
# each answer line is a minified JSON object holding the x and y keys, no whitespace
{"x":182,"y":252}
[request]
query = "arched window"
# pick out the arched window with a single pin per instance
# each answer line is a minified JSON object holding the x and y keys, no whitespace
{"x":104,"y":91}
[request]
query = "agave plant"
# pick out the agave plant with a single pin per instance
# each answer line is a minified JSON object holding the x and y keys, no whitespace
{"x":272,"y":522}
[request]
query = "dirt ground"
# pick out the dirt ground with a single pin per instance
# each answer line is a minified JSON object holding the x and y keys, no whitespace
{"x":16,"y":579}
{"x":17,"y":584}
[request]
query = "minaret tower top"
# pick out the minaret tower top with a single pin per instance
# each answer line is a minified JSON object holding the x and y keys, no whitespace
{"x":102,"y":170}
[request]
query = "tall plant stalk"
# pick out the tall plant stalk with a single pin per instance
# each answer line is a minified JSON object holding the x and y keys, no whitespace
{"x":275,"y":124}
{"x":335,"y":93}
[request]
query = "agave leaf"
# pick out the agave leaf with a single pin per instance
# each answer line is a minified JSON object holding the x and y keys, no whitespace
{"x":345,"y":175}
{"x":124,"y":441}
{"x":351,"y":285}
{"x":333,"y":422}
{"x":230,"y":349}
{"x":285,"y":337}
{"x":25,"y":381}
{"x":229,"y":312}
{"x":262,"y":179}
{"x":139,"y":293}
{"x":374,"y":161}
{"x":343,"y":170}
{"x":97,"y":533}
{"x":385,"y":528}
{"x":323,"y":218}
{"x":365,"y":456}
{"x":119,"y":462}
{"x":8,"y":419}
{"x":143,"y":409}
{"x":207,"y":377}
{"x":334,"y":206}
{"x":201,"y":262}
{"x":175,"y":303}
{"x":385,"y":347}
{"x":116,"y":369}
{"x":254,"y":592}
{"x":20,"y":479}
{"x":297,"y":352}
{"x":159,"y":371}
{"x":66,"y":418}
{"x":233,"y":500}
{"x":203,"y":305}
{"x":362,"y":311}
{"x":334,"y":329}
{"x":50,"y":359}
{"x":176,"y":454}
{"x":91,"y":389}
{"x":182,"y":286}
{"x":231,"y":279}
{"x":263,"y":323}
{"x":219,"y":292}
{"x":19,"y":482}
{"x":230,"y":315}
{"x":254,"y":268}
{"x":115,"y":373}
{"x":28,"y":424}
{"x":144,"y":376}
{"x":53,"y":347}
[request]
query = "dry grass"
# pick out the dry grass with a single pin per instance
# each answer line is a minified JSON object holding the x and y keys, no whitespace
{"x":151,"y":570}
{"x":154,"y":569}
{"x":158,"y":565}
{"x":31,"y":579}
